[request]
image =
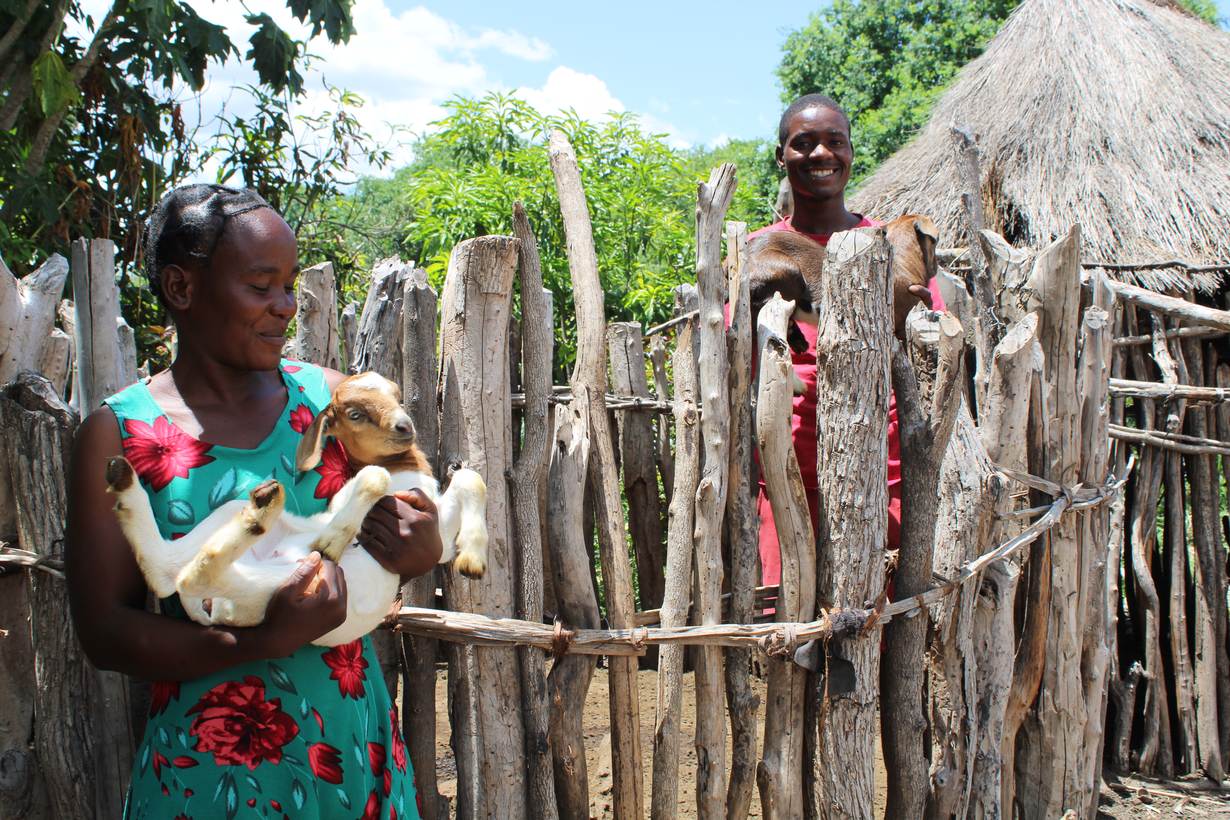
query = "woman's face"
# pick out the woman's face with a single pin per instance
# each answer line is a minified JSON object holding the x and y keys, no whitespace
{"x":817,"y":154}
{"x":239,"y":308}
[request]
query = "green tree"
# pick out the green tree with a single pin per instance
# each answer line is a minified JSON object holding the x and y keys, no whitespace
{"x":886,"y":61}
{"x":487,"y":153}
{"x":91,"y":132}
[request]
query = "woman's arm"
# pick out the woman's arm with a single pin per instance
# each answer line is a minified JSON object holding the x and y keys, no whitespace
{"x":107,"y":593}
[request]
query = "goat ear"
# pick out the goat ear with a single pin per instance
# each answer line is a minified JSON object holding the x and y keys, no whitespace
{"x":927,"y":241}
{"x":307,"y":455}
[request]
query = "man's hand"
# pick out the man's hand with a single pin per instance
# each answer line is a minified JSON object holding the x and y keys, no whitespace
{"x":402,"y":534}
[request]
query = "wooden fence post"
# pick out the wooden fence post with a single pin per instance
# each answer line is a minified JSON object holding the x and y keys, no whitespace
{"x":780,"y":773}
{"x":349,"y":332}
{"x":636,"y":444}
{"x":678,"y":586}
{"x":316,"y":331}
{"x":588,"y":394}
{"x":102,"y":361}
{"x":1004,"y":435}
{"x":82,"y":737}
{"x":742,"y":528}
{"x":476,"y":430}
{"x":924,"y":425}
{"x":713,"y":199}
{"x":378,"y":348}
{"x":1047,"y":776}
{"x":418,"y":394}
{"x":528,"y":475}
{"x":27,"y":315}
{"x":852,"y":357}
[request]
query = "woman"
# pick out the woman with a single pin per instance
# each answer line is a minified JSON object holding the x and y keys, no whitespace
{"x":815,"y":151}
{"x":241,"y":719}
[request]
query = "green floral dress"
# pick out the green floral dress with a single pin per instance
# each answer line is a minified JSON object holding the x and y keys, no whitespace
{"x":312,"y":735}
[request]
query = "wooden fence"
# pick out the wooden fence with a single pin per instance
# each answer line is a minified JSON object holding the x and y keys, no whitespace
{"x":1042,"y":621}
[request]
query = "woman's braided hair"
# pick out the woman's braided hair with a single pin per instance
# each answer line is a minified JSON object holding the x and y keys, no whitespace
{"x":187,"y":223}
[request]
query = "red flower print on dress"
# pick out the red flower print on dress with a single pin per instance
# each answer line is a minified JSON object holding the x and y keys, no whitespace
{"x":334,"y":469}
{"x":301,"y":418}
{"x":292,"y":368}
{"x":162,"y":452}
{"x":161,"y":693}
{"x":184,"y":762}
{"x":326,"y":762}
{"x":372,"y":810}
{"x":376,"y":756}
{"x":347,"y":663}
{"x":160,"y":760}
{"x":399,"y":745}
{"x":237,"y":724}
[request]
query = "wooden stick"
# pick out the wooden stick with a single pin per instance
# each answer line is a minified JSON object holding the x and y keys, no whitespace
{"x":666,"y":463}
{"x":742,"y":529}
{"x":669,"y":324}
{"x":1172,"y":306}
{"x":1173,"y":333}
{"x":589,"y":385}
{"x":713,"y":199}
{"x":1194,"y":445}
{"x":853,"y":297}
{"x":1152,"y":390}
{"x":679,"y":547}
{"x":780,"y":774}
{"x":529,"y":472}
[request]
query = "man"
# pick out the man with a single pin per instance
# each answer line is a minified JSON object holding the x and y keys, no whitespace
{"x":815,"y":151}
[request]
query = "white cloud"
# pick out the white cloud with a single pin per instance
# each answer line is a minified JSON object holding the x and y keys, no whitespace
{"x":567,"y":88}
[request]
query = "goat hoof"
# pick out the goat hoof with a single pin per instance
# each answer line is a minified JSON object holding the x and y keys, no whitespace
{"x":469,"y":565}
{"x":266,"y":493}
{"x":119,"y":474}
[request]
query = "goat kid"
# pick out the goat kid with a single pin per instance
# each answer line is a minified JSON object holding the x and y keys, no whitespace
{"x":781,"y":262}
{"x":229,"y":566}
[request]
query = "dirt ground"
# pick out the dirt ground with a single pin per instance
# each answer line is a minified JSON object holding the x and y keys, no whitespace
{"x":1122,"y":797}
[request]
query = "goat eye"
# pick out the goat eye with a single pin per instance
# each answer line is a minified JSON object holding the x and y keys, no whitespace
{"x":354,"y":415}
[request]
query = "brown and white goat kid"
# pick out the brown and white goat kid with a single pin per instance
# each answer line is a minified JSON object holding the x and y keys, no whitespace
{"x":228,"y":567}
{"x":777,"y":262}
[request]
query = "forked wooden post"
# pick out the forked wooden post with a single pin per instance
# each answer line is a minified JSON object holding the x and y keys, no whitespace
{"x":742,"y":528}
{"x":529,"y":473}
{"x":852,"y":357}
{"x":101,"y":360}
{"x":27,"y":315}
{"x":780,"y":774}
{"x":476,"y":429}
{"x":678,"y":561}
{"x":588,"y":392}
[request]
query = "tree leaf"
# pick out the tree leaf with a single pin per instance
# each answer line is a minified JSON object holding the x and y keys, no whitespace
{"x":53,"y":85}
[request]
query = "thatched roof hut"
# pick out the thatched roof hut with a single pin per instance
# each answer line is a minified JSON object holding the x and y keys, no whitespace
{"x":1111,"y":113}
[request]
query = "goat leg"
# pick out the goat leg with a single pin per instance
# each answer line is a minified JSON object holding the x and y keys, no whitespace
{"x":348,"y":509}
{"x":232,"y":540}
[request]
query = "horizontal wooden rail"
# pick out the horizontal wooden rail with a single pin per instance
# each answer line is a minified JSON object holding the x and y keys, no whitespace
{"x":772,"y":638}
{"x":1155,"y":390}
{"x":1191,"y":445}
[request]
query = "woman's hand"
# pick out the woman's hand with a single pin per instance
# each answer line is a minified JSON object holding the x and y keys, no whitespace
{"x":402,"y":534}
{"x":310,"y":603}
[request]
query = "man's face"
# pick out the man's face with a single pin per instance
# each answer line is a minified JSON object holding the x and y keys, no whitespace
{"x":817,"y":154}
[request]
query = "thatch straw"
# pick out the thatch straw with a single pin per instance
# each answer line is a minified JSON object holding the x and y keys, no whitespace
{"x":1111,"y":113}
